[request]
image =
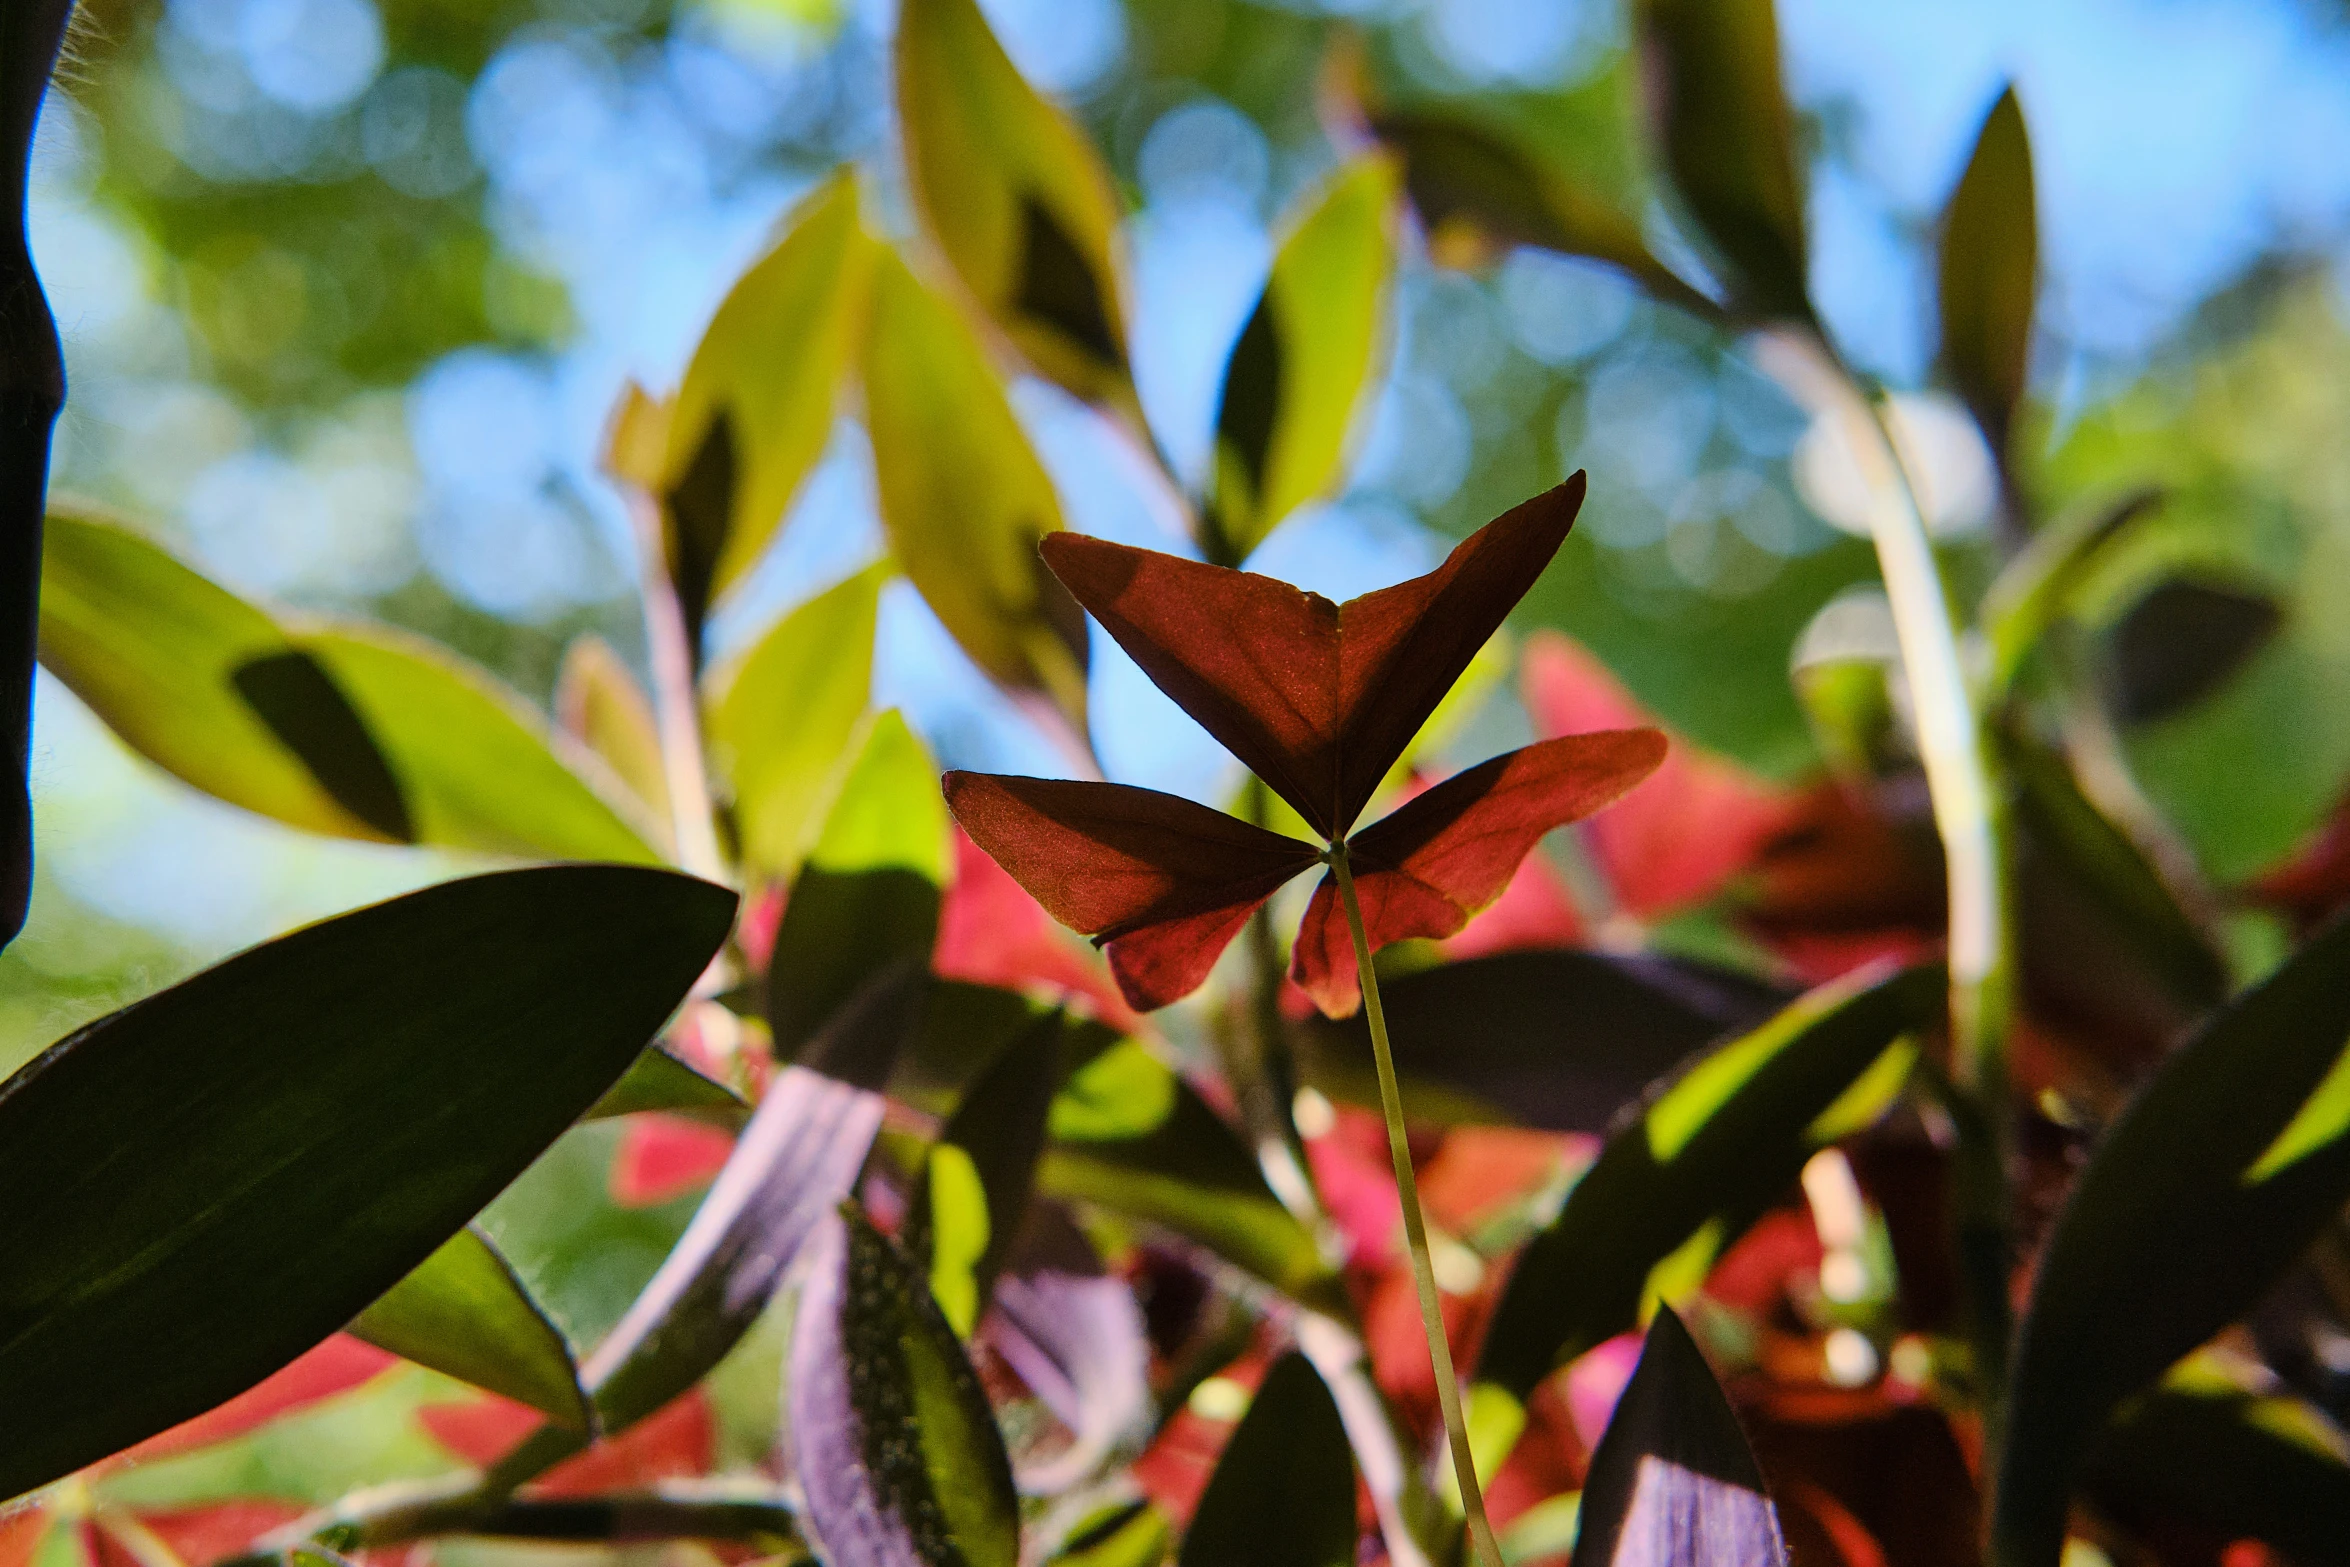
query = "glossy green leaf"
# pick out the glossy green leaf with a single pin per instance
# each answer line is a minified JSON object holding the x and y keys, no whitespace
{"x":781,"y":728}
{"x":1709,"y":1148}
{"x":1991,"y":272}
{"x":963,"y":497}
{"x":335,"y":1105}
{"x":1283,"y":1493}
{"x":2218,"y":1175}
{"x":463,"y":1312}
{"x":1015,"y":197}
{"x":2227,"y":1464}
{"x":657,"y":1080}
{"x":1729,"y":142}
{"x":869,"y":894}
{"x":1458,"y":173}
{"x":762,"y":389}
{"x":599,"y":703}
{"x":889,"y":1431}
{"x":1303,"y":359}
{"x":1672,"y":1482}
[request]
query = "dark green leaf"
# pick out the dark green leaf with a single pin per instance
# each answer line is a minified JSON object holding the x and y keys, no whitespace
{"x":1729,"y":141}
{"x":465,"y":1313}
{"x":1283,"y":1494}
{"x":2225,"y":1465}
{"x":2217,"y":1176}
{"x":1673,"y":1483}
{"x":2183,"y":641}
{"x":1560,"y":1040}
{"x":657,"y":1080}
{"x":1990,"y":272}
{"x":2034,"y":590}
{"x":1133,"y":1535}
{"x":231,"y":1169}
{"x":889,"y":1430}
{"x":312,"y":718}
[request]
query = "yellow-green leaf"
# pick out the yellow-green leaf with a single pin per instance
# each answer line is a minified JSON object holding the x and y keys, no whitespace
{"x":599,"y":704}
{"x":1990,"y":272}
{"x":463,"y":1312}
{"x":1015,"y":197}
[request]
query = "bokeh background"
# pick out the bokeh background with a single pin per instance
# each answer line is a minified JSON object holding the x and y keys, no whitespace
{"x":349,"y":289}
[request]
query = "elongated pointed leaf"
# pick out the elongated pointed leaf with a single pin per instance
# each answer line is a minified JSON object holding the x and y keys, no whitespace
{"x":868,"y":898}
{"x":1315,"y":698}
{"x":2032,"y":591}
{"x":599,"y":703}
{"x":1556,"y":1040}
{"x":2216,"y":1177}
{"x":2228,"y":1465}
{"x":465,"y":1313}
{"x":32,"y":389}
{"x":335,"y":1104}
{"x":2183,"y":641}
{"x":1015,"y":197}
{"x":1710,"y":1146}
{"x":782,"y":728}
{"x":1673,"y":1483}
{"x":1283,"y":1494}
{"x":963,"y":497}
{"x":1729,"y":140}
{"x":1075,"y":1334}
{"x":889,"y":1431}
{"x":657,"y":1080}
{"x":1991,"y":272}
{"x":1303,"y":359}
{"x":762,"y":389}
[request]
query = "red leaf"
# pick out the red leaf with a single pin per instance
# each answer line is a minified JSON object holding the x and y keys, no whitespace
{"x":665,"y":1156}
{"x":675,"y":1443}
{"x":336,"y":1366}
{"x":1160,"y":882}
{"x":481,"y":1431}
{"x":1700,"y":820}
{"x":209,"y":1533}
{"x":1534,"y":910}
{"x":20,"y":1534}
{"x":991,"y":932}
{"x":1317,"y":699}
{"x":1438,"y":858}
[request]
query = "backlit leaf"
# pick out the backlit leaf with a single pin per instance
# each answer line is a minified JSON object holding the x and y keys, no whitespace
{"x":2033,"y":591}
{"x":1283,"y":1494}
{"x":463,"y":1312}
{"x":599,"y":703}
{"x":2233,"y":1464}
{"x":1991,"y":272}
{"x":336,"y":1103}
{"x":1074,"y":1333}
{"x":657,"y":1080}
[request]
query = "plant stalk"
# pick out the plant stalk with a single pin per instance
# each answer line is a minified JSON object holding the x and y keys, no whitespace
{"x":675,"y":708}
{"x":396,"y":1515}
{"x":1415,"y":1227}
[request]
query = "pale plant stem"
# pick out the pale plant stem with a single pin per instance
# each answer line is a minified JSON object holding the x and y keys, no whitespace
{"x":1415,"y":1227}
{"x":675,"y":710}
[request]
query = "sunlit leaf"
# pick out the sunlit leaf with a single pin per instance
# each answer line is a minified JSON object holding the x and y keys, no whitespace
{"x":2217,"y":1176}
{"x":336,"y":1104}
{"x":1135,"y":1534}
{"x":1303,"y":360}
{"x":599,"y":703}
{"x":657,"y":1080}
{"x":463,"y":1312}
{"x":963,"y":497}
{"x":1991,"y":272}
{"x":1015,"y":197}
{"x":781,"y":726}
{"x":1283,"y":1494}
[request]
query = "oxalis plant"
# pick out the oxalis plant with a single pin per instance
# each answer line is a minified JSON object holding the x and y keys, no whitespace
{"x":1964,"y":1199}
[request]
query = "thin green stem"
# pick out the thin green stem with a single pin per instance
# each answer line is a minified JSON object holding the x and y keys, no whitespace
{"x":1415,"y":1227}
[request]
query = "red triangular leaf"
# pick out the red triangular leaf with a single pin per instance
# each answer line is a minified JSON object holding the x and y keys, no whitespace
{"x":1316,"y":699}
{"x":1161,"y":882}
{"x":1437,"y":859}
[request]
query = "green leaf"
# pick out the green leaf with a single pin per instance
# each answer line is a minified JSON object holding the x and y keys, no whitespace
{"x":231,"y":1169}
{"x":2034,"y":590}
{"x":1691,"y":1166}
{"x":1303,"y":359}
{"x":657,"y":1080}
{"x":2218,"y":1175}
{"x":889,"y":1431}
{"x":1729,"y":142}
{"x":1672,"y":1480}
{"x":963,"y":497}
{"x":1283,"y":1494}
{"x":1135,"y":1534}
{"x":599,"y":703}
{"x":788,"y":709}
{"x":363,"y":733}
{"x":762,"y":388}
{"x":1991,"y":272}
{"x":1014,"y":196}
{"x":463,"y":1312}
{"x":869,"y":896}
{"x":1458,"y":173}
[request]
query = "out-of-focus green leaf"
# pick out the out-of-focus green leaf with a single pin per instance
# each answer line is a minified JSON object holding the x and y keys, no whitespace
{"x":1283,"y":1494}
{"x":1991,"y":272}
{"x":759,"y":396}
{"x":1015,"y":197}
{"x":1691,"y":1166}
{"x":963,"y":497}
{"x":869,"y":895}
{"x":599,"y":704}
{"x":657,"y":1080}
{"x":2182,"y":641}
{"x":1729,"y":141}
{"x":1303,"y":359}
{"x":1458,"y":173}
{"x":1136,"y":1534}
{"x":205,"y":1184}
{"x":1672,"y":1480}
{"x":463,"y":1312}
{"x":2032,"y":592}
{"x":789,"y":708}
{"x":1559,"y":1040}
{"x":2217,"y":1176}
{"x":889,"y":1430}
{"x":334,"y":729}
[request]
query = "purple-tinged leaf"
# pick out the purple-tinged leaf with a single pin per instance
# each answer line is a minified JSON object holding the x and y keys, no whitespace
{"x":1076,"y":1336}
